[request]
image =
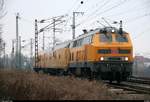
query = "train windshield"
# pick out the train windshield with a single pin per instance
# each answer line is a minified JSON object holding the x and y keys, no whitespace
{"x":121,"y":38}
{"x":105,"y":37}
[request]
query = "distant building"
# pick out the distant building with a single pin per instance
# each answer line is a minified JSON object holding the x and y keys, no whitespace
{"x":139,"y":58}
{"x":140,"y":65}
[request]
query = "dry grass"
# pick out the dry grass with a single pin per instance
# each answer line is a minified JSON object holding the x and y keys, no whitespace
{"x":30,"y":86}
{"x":23,"y":85}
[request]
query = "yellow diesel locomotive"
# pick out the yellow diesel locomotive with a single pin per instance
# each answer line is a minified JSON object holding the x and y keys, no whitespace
{"x":104,"y":53}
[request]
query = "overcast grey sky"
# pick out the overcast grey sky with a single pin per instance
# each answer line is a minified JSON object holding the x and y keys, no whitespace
{"x":134,"y":13}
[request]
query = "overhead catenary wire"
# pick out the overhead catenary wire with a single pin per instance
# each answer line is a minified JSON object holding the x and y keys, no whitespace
{"x":141,"y":33}
{"x":69,"y":18}
{"x":48,"y":26}
{"x":104,"y":11}
{"x":81,"y":3}
{"x":111,"y":8}
{"x":128,"y":11}
{"x":91,"y":14}
{"x":103,"y":4}
{"x":95,"y":5}
{"x":137,"y":17}
{"x":100,"y":7}
{"x":70,"y":10}
{"x":26,"y":20}
{"x":101,"y":23}
{"x":77,"y":8}
{"x":106,"y":21}
{"x":74,"y":4}
{"x":117,"y":16}
{"x":130,"y":20}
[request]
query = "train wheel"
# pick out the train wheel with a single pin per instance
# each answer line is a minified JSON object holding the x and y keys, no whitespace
{"x":60,"y":73}
{"x":118,"y":81}
{"x":118,"y":77}
{"x":83,"y":73}
{"x":99,"y":77}
{"x":110,"y":81}
{"x":89,"y":74}
{"x":92,"y":75}
{"x":78,"y":72}
{"x":110,"y":74}
{"x":36,"y":70}
{"x":41,"y":72}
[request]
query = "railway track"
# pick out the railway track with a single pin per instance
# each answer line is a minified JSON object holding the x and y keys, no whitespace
{"x":134,"y":84}
{"x":135,"y":88}
{"x":141,"y":80}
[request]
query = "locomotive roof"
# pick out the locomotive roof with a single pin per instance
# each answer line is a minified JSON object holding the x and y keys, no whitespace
{"x":62,"y":45}
{"x":91,"y":32}
{"x":99,"y":30}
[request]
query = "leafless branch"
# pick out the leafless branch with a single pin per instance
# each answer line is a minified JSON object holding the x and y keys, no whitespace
{"x":2,"y":9}
{"x":1,"y":5}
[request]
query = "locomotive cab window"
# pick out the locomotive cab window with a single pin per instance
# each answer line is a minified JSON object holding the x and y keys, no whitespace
{"x":87,"y":40}
{"x":71,"y":45}
{"x":74,"y":43}
{"x":77,"y":43}
{"x":105,"y":37}
{"x":82,"y":41}
{"x":121,"y":38}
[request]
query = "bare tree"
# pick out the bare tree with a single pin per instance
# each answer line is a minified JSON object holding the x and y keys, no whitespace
{"x":2,"y":10}
{"x":2,"y":43}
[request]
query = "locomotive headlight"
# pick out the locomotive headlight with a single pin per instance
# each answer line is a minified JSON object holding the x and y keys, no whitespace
{"x":112,"y":30}
{"x":102,"y":58}
{"x":126,"y":58}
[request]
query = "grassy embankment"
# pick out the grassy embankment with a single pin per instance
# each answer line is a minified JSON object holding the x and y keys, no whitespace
{"x":25,"y":85}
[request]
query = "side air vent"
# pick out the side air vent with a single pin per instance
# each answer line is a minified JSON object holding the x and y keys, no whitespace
{"x":104,"y":51}
{"x":124,"y":51}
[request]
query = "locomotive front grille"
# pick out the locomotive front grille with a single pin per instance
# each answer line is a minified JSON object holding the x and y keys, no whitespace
{"x":124,"y":51}
{"x":104,"y":51}
{"x":110,"y":51}
{"x":114,"y":59}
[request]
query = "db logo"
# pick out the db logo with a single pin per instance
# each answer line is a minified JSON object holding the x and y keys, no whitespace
{"x":114,"y":51}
